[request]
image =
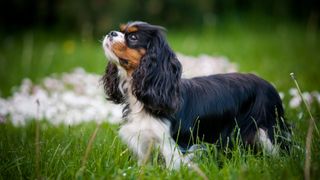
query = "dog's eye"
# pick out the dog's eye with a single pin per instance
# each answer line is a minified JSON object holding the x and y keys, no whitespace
{"x":132,"y":37}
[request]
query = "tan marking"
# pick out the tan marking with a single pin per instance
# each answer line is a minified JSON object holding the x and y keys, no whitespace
{"x":123,"y":27}
{"x":133,"y":56}
{"x":132,"y":29}
{"x":127,"y":28}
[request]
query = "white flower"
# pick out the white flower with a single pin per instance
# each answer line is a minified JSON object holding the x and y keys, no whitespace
{"x":53,"y":84}
{"x":2,"y":119}
{"x":296,"y":98}
{"x":316,"y":95}
{"x":26,"y":86}
{"x":76,"y":97}
{"x":307,"y":97}
{"x":3,"y":107}
{"x":205,"y":65}
{"x":295,"y":102}
{"x":294,"y":92}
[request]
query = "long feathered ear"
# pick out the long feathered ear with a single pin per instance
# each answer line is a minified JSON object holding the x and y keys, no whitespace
{"x":111,"y":81}
{"x":156,"y":81}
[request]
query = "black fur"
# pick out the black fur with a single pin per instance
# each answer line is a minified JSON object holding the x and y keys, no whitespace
{"x":221,"y":102}
{"x":111,"y":81}
{"x":208,"y":108}
{"x":156,"y":82}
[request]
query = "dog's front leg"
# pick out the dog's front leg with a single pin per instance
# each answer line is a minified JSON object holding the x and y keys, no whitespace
{"x":138,"y":141}
{"x":172,"y":154}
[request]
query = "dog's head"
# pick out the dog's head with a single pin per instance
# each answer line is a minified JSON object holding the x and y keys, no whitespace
{"x":128,"y":46}
{"x":143,"y":52}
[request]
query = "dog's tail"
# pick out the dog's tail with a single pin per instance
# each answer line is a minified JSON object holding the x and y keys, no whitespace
{"x":267,"y":126}
{"x":274,"y":122}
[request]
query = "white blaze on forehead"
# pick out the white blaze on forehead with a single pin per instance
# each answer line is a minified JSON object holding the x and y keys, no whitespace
{"x":109,"y":41}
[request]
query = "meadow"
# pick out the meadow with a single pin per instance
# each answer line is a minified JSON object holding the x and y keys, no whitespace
{"x":88,"y":151}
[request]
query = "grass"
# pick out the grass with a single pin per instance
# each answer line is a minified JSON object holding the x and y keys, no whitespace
{"x":271,"y":50}
{"x":36,"y":54}
{"x":62,"y":149}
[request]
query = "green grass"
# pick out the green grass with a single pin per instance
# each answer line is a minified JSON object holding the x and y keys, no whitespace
{"x":271,"y":50}
{"x":35,"y":54}
{"x":63,"y":147}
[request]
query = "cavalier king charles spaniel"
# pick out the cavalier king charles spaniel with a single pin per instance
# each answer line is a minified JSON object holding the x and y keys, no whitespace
{"x":173,"y":114}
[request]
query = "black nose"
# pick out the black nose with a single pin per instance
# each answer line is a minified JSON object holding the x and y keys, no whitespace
{"x":113,"y":34}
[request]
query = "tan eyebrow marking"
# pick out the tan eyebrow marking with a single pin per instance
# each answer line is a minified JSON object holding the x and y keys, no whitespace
{"x":127,"y":28}
{"x":132,"y":29}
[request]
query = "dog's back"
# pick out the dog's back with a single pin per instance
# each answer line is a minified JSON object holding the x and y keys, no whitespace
{"x":214,"y":106}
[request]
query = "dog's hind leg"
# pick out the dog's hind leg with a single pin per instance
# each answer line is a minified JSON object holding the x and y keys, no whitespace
{"x":263,"y":140}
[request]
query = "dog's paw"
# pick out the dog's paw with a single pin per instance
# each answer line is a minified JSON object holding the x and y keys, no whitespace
{"x":177,"y":163}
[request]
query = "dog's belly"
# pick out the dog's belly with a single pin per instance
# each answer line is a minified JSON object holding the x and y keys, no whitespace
{"x":205,"y":130}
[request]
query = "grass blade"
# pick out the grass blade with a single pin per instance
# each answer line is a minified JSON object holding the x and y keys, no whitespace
{"x":312,"y":125}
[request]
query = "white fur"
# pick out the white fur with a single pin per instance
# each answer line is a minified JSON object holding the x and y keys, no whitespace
{"x":264,"y":141}
{"x":107,"y":43}
{"x":141,"y":129}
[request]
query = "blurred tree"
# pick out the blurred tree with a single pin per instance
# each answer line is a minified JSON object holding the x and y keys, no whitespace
{"x":96,"y":16}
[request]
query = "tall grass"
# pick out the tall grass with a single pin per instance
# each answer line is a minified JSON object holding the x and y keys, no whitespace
{"x":62,"y":149}
{"x":312,"y":125}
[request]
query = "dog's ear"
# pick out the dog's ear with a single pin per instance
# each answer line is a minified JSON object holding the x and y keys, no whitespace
{"x":156,"y":81}
{"x":111,"y":81}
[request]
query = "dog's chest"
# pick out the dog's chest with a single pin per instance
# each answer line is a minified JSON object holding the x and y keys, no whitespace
{"x":137,"y":119}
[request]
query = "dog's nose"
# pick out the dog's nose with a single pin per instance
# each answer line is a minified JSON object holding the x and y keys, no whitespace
{"x":113,"y":34}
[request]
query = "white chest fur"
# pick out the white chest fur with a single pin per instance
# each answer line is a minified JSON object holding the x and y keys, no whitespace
{"x":142,"y":129}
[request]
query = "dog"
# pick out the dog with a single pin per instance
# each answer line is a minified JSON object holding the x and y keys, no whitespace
{"x":169,"y":112}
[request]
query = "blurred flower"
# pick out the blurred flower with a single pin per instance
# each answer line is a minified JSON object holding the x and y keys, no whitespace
{"x":76,"y":97}
{"x":307,"y":96}
{"x":316,"y":95}
{"x":295,"y":102}
{"x":293,"y":92}
{"x":2,"y":119}
{"x":3,"y":107}
{"x":69,"y":99}
{"x":205,"y":65}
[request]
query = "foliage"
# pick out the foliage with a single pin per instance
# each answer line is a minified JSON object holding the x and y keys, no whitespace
{"x":95,"y":16}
